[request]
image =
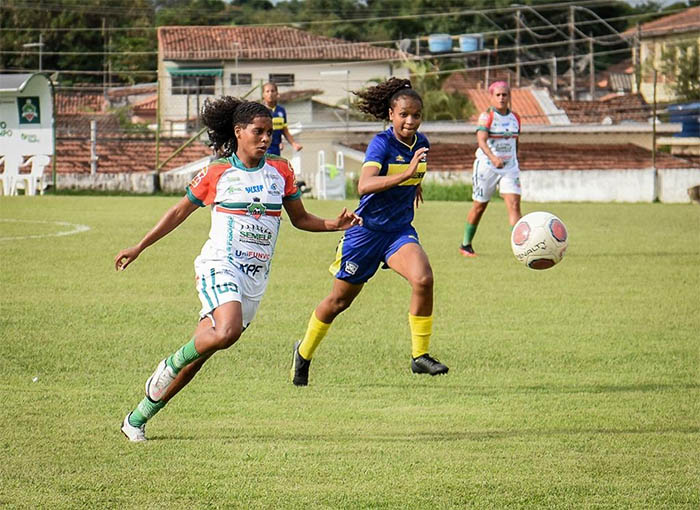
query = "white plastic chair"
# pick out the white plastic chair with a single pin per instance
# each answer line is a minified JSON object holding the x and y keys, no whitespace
{"x":10,"y":175}
{"x":36,"y":176}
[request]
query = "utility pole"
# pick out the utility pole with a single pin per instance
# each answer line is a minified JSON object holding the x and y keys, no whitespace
{"x":517,"y":48}
{"x":572,"y":50}
{"x":592,"y":66}
{"x":39,"y":45}
{"x":638,"y":58}
{"x":653,"y":130}
{"x":106,"y":57}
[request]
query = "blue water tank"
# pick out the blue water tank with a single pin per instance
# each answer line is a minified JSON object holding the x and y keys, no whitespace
{"x":439,"y":43}
{"x":688,"y":114}
{"x":471,"y":42}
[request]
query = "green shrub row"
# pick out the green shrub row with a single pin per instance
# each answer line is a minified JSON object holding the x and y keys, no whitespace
{"x":455,"y":192}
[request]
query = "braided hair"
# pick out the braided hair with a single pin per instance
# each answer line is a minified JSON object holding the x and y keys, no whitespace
{"x":220,"y":117}
{"x":377,"y":100}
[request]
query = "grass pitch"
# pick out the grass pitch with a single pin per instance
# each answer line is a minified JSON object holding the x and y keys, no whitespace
{"x":576,"y":387}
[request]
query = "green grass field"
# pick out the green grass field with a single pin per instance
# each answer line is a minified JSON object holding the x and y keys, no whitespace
{"x":576,"y":387}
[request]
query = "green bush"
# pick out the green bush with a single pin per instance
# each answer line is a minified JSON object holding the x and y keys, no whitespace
{"x":457,"y":192}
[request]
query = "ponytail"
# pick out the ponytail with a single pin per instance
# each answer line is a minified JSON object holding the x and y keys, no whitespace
{"x":220,"y":117}
{"x":377,"y":100}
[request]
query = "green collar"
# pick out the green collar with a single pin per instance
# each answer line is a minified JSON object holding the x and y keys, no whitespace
{"x":239,"y":164}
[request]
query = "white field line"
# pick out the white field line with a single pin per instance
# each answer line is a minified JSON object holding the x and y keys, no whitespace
{"x":76,"y":229}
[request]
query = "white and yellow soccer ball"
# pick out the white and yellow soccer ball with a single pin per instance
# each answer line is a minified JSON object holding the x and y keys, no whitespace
{"x":539,"y":240}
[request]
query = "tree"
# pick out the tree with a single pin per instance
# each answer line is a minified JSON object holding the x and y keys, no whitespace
{"x":438,"y":104}
{"x":681,"y":63}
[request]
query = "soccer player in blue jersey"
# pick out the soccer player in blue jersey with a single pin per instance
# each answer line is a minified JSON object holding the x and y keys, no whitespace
{"x":389,"y":184}
{"x":279,"y":120}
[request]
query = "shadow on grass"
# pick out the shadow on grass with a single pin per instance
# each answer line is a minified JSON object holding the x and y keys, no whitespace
{"x":438,"y":436}
{"x":545,"y":388}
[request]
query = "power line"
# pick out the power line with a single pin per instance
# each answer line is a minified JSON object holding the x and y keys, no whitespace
{"x":427,"y":14}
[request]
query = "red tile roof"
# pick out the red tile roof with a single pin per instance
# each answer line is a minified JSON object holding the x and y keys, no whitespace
{"x":628,"y":107}
{"x":146,"y":106}
{"x":456,"y":157}
{"x":79,"y":102}
{"x":684,"y":21}
{"x":119,"y":155}
{"x":261,"y":43}
{"x":297,"y":95}
{"x":522,"y":100}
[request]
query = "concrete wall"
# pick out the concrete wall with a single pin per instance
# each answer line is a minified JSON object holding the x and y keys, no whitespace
{"x":673,"y":184}
{"x":588,"y":185}
{"x":123,"y":181}
{"x":538,"y":185}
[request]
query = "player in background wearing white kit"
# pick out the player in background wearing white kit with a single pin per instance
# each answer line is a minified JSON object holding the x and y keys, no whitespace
{"x":496,"y":163}
{"x":246,"y":190}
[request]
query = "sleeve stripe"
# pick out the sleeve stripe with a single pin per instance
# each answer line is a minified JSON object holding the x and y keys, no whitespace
{"x":372,"y":163}
{"x":193,"y":198}
{"x":295,"y":196}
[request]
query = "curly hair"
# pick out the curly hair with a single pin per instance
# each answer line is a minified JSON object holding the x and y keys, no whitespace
{"x":220,"y":117}
{"x":377,"y":100}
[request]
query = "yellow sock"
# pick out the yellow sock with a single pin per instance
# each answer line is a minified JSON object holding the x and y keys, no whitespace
{"x":315,"y":332}
{"x":421,"y":329}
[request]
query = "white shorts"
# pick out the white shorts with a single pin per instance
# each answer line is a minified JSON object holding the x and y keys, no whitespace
{"x":485,"y":179}
{"x":218,"y":283}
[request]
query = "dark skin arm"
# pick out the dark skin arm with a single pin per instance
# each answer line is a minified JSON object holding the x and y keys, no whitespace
{"x":304,"y":220}
{"x":371,"y":182}
{"x":169,"y":222}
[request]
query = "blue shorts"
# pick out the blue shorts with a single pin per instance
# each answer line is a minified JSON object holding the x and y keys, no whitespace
{"x":274,"y":149}
{"x":361,"y":250}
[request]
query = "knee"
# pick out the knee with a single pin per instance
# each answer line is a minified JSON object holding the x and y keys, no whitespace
{"x":338,"y":304}
{"x":423,"y":282}
{"x":227,"y":335}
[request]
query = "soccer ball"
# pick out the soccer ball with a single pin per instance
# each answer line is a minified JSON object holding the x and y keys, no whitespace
{"x":539,"y":240}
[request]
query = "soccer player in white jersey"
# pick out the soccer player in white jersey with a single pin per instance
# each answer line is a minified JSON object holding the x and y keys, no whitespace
{"x":496,"y":163}
{"x":246,"y":191}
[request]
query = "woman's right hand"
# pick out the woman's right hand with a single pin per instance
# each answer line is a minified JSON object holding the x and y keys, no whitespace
{"x":497,"y":162}
{"x":126,"y":257}
{"x":415,"y":161}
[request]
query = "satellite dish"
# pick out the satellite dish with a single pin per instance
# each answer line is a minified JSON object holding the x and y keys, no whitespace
{"x":405,"y":45}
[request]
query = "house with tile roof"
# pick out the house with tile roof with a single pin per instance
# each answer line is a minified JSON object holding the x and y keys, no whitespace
{"x":534,"y":105}
{"x":196,"y":62}
{"x":652,"y":39}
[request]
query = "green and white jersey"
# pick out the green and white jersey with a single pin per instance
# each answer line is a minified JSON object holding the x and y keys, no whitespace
{"x":246,"y":205}
{"x":503,"y":131}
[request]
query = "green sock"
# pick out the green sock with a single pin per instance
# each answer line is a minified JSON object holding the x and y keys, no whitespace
{"x":183,"y":356}
{"x":145,"y":411}
{"x":469,"y":231}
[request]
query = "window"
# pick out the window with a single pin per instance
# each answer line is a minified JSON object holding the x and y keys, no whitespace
{"x":241,"y":79}
{"x":286,"y":80}
{"x":192,"y":84}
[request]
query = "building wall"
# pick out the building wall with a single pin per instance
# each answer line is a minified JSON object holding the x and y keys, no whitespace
{"x":307,"y":75}
{"x":651,"y":52}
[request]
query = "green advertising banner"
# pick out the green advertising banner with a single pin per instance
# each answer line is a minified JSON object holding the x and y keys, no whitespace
{"x":28,"y":110}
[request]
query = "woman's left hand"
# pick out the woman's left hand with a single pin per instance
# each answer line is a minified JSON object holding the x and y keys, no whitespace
{"x":347,"y":219}
{"x":419,"y":195}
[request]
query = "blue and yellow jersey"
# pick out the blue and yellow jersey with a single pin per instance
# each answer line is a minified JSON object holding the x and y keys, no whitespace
{"x":279,"y":122}
{"x":392,"y":209}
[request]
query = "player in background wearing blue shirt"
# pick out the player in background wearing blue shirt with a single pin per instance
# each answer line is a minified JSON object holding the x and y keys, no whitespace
{"x":279,"y":120}
{"x":389,"y":184}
